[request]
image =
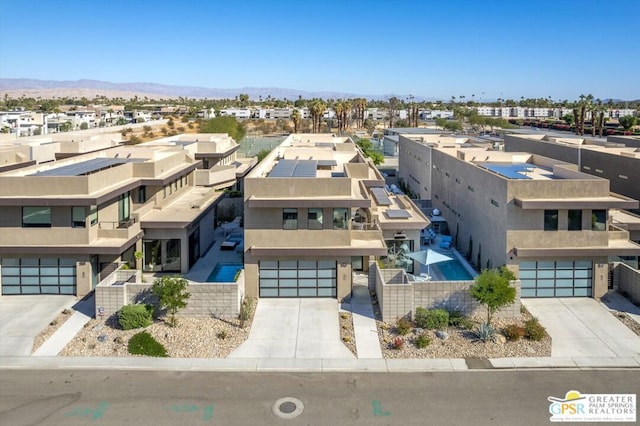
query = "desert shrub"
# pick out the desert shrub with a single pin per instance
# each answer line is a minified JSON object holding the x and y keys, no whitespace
{"x":144,"y":344}
{"x":397,"y":343}
{"x":432,"y":318}
{"x":134,"y":316}
{"x":455,"y":317}
{"x":245,"y":311}
{"x":403,"y":326}
{"x":486,"y":332}
{"x":222,"y":334}
{"x":513,"y":332}
{"x":533,"y":330}
{"x":422,"y":341}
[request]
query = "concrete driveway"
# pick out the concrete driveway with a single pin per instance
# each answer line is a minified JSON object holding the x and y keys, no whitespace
{"x":294,"y":328}
{"x":582,"y":327}
{"x":23,"y":317}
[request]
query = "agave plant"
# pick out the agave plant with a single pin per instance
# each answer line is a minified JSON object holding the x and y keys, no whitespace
{"x":486,"y":332}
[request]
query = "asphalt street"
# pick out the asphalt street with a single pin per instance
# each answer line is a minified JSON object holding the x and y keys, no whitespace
{"x":58,"y":397}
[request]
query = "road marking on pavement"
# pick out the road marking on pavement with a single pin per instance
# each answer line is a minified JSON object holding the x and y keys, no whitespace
{"x":377,"y":409}
{"x":92,"y":413}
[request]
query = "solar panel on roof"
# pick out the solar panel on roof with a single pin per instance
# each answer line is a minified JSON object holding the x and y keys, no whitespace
{"x":381,"y":196}
{"x":86,"y":167}
{"x":305,"y":168}
{"x":510,"y":171}
{"x":294,"y":168}
{"x":398,"y":214}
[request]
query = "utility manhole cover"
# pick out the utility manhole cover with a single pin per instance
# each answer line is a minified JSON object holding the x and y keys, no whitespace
{"x":288,"y":408}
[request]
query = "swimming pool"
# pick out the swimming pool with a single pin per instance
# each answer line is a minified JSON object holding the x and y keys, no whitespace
{"x":224,"y":272}
{"x":453,"y":270}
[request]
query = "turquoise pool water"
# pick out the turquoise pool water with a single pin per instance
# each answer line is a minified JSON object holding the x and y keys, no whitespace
{"x":453,"y":270}
{"x":224,"y":272}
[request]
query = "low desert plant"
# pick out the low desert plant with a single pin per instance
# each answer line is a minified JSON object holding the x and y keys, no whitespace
{"x":403,"y":326}
{"x":432,"y":318}
{"x":245,"y":311}
{"x":134,"y":316}
{"x":397,"y":343}
{"x":422,"y":341}
{"x":533,"y":330}
{"x":144,"y":344}
{"x":513,"y":332}
{"x":222,"y":334}
{"x":346,"y":339}
{"x":486,"y":332}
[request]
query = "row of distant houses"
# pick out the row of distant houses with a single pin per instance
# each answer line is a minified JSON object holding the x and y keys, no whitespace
{"x":68,"y":118}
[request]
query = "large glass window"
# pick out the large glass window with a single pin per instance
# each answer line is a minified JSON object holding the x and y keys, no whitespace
{"x":598,"y":220}
{"x":93,"y":215}
{"x":162,"y":255}
{"x":289,"y":218}
{"x":36,"y":217}
{"x":79,"y":217}
{"x":124,"y":207}
{"x":315,"y":218}
{"x":142,"y":195}
{"x":551,"y":220}
{"x":340,"y":218}
{"x":575,"y":220}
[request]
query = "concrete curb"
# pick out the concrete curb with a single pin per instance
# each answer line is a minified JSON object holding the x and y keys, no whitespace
{"x":307,"y":365}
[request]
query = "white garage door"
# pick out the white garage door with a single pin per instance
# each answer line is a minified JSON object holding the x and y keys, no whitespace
{"x":565,"y":278}
{"x":298,"y":278}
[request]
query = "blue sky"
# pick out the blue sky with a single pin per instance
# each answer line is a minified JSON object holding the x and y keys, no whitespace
{"x":509,"y":49}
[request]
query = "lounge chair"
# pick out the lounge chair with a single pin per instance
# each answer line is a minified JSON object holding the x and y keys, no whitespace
{"x":445,"y":242}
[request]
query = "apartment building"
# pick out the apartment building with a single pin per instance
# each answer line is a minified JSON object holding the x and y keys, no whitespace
{"x":315,"y":211}
{"x":612,"y":160}
{"x":547,"y":221}
{"x":63,"y":223}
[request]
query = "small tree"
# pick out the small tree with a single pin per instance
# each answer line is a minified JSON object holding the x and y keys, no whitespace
{"x":172,"y":295}
{"x":627,"y":122}
{"x":493,"y":290}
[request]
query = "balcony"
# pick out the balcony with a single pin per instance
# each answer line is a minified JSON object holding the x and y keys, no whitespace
{"x":126,"y":229}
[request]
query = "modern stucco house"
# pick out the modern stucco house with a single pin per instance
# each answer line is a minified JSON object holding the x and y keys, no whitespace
{"x":544,"y":219}
{"x":315,"y":211}
{"x":65,"y":222}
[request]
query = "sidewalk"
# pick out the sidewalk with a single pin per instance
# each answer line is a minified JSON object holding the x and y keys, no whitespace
{"x":364,"y":324}
{"x":310,"y":365}
{"x":71,"y":327}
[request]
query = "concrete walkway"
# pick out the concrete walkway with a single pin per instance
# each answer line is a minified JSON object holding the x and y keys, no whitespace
{"x":23,"y":317}
{"x":294,"y":328}
{"x":85,"y":310}
{"x":582,"y":327}
{"x":364,"y":324}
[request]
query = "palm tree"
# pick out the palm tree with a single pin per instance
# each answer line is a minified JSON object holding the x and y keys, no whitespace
{"x":316,"y":110}
{"x":295,"y":117}
{"x":339,"y":108}
{"x":392,"y":107}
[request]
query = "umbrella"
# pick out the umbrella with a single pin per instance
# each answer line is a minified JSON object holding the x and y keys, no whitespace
{"x":428,"y":257}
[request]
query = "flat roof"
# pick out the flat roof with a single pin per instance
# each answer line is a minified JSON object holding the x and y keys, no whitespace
{"x":518,"y":170}
{"x":87,"y":167}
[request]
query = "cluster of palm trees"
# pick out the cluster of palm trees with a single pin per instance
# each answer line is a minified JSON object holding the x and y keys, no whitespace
{"x":317,"y":108}
{"x":596,"y":109}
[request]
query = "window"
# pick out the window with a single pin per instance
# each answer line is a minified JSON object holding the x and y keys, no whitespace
{"x":598,"y":220}
{"x":551,"y":220}
{"x":142,"y":195}
{"x":36,"y":217}
{"x":575,"y":220}
{"x":78,"y":217}
{"x":123,"y":207}
{"x":314,"y":218}
{"x":340,"y":218}
{"x":289,"y":218}
{"x":93,"y":215}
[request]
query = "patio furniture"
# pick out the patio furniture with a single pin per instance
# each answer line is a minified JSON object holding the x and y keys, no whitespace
{"x":228,"y":245}
{"x":445,"y":242}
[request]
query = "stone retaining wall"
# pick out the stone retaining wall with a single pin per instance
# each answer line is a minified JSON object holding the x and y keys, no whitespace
{"x":221,"y":300}
{"x":627,"y":281}
{"x":399,"y":297}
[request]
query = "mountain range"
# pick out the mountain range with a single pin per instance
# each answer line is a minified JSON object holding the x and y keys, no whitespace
{"x":16,"y":87}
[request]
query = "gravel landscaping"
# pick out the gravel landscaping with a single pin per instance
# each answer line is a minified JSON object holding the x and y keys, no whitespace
{"x":347,"y":334}
{"x":458,"y":342}
{"x":51,"y":328}
{"x":628,"y":321}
